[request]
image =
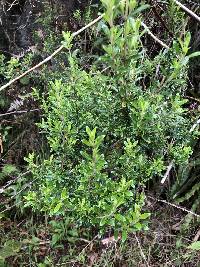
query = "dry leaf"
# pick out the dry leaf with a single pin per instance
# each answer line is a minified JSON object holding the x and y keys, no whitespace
{"x":110,"y":240}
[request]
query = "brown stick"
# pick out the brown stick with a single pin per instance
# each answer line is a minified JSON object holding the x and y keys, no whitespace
{"x":141,"y":251}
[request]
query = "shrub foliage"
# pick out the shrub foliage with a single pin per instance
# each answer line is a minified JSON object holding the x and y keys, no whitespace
{"x":112,"y":128}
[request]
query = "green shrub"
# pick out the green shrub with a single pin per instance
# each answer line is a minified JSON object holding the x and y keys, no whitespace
{"x":111,"y":130}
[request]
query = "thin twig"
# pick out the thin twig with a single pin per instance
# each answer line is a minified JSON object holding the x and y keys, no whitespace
{"x":51,"y":56}
{"x":193,"y":98}
{"x":195,"y":125}
{"x":141,"y":251}
{"x":167,"y":172}
{"x":19,"y":112}
{"x":175,"y":206}
{"x":154,"y":37}
{"x":19,"y":192}
{"x":190,"y":12}
{"x":11,"y":5}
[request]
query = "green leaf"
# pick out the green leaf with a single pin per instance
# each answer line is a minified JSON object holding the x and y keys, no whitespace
{"x":138,"y":226}
{"x":67,"y":39}
{"x":55,"y":239}
{"x":120,"y":218}
{"x":87,"y":143}
{"x":195,"y":245}
{"x":116,"y":235}
{"x":103,"y":221}
{"x":145,"y":216}
{"x":64,"y":194}
{"x":35,"y":240}
{"x":93,"y":133}
{"x":140,"y":9}
{"x":129,"y":194}
{"x":57,"y":207}
{"x":195,"y":54}
{"x":10,"y":248}
{"x":99,"y":139}
{"x":124,"y":236}
{"x":2,"y":215}
{"x":88,"y":131}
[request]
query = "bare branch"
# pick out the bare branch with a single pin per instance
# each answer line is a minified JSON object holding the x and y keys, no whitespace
{"x":19,"y":112}
{"x":175,"y":206}
{"x":2,"y":189}
{"x":194,"y":126}
{"x":167,"y":172}
{"x":190,"y":12}
{"x":154,"y":37}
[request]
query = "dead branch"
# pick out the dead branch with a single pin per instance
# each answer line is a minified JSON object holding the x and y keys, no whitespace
{"x":187,"y":10}
{"x":19,"y":112}
{"x":171,"y":163}
{"x":154,"y":37}
{"x":167,"y":172}
{"x":175,"y":206}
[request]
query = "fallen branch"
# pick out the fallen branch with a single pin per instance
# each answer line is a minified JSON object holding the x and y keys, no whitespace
{"x":10,"y":207}
{"x":16,"y":194}
{"x":1,"y":144}
{"x":175,"y":206}
{"x":2,"y":189}
{"x":196,"y":238}
{"x":190,"y":12}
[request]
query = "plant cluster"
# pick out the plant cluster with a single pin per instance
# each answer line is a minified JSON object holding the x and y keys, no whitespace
{"x":113,"y":128}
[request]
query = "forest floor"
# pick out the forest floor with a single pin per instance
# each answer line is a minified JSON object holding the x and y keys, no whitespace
{"x":165,"y":243}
